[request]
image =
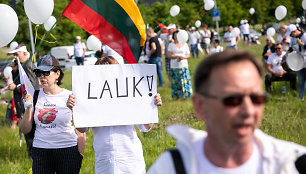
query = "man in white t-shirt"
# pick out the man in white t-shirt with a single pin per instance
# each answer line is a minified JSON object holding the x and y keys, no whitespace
{"x":194,"y":37}
{"x":231,"y":40}
{"x":230,"y":99}
{"x":79,"y":51}
{"x":245,"y":30}
{"x":276,"y":71}
{"x":205,"y":42}
{"x":281,"y":38}
{"x":216,"y":48}
{"x":298,"y":43}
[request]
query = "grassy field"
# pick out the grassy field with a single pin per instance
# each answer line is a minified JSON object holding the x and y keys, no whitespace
{"x":284,"y":118}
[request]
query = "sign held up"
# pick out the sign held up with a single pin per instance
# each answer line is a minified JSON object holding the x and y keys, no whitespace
{"x":108,"y":95}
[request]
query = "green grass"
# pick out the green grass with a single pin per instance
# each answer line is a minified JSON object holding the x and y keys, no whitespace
{"x":284,"y":118}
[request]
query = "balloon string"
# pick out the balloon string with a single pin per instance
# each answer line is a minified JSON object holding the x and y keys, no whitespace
{"x":51,"y":42}
{"x":36,"y":29}
{"x":197,"y":17}
{"x":162,"y":23}
{"x":40,"y":42}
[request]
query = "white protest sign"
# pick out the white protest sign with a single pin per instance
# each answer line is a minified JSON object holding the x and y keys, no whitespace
{"x":108,"y":95}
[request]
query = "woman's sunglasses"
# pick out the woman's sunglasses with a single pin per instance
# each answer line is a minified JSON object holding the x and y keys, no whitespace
{"x":233,"y":100}
{"x":40,"y":73}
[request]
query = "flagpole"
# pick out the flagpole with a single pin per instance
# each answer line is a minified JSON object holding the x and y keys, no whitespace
{"x":31,"y":39}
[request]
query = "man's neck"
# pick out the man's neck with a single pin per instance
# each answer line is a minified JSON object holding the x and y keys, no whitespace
{"x":227,"y":155}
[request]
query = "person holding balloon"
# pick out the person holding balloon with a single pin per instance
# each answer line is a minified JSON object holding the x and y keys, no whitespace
{"x":178,"y":52}
{"x":232,"y":38}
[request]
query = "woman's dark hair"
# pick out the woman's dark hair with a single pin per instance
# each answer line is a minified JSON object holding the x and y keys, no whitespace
{"x":61,"y":76}
{"x":217,"y":41}
{"x":174,"y":33}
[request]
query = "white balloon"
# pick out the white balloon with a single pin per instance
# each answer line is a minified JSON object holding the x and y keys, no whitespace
{"x":271,"y":31}
{"x":198,"y":23}
{"x":174,"y":10}
{"x":93,"y":43}
{"x":182,"y":36}
{"x":280,"y":12}
{"x":49,"y":23}
{"x":13,"y":45}
{"x":235,"y":32}
{"x":252,"y":11}
{"x":304,"y":4}
{"x":209,"y":4}
{"x":298,"y":20}
{"x":9,"y":24}
{"x":38,"y":11}
{"x":7,"y":72}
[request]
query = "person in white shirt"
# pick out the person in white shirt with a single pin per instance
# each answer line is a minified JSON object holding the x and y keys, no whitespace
{"x":194,"y":37}
{"x":281,"y":38}
{"x":230,"y":100}
{"x":231,"y":40}
{"x":245,"y":30}
{"x":180,"y":77}
{"x":276,"y":71}
{"x":216,"y":48}
{"x":79,"y":51}
{"x":118,"y":149}
{"x":206,"y":35}
{"x":298,"y":43}
{"x":56,"y":148}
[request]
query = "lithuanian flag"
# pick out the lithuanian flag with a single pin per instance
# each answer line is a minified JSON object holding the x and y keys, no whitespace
{"x":117,"y":23}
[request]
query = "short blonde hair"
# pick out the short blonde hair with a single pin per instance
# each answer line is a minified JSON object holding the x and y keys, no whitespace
{"x":271,"y":39}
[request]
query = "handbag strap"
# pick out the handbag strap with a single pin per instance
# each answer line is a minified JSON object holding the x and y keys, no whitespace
{"x":178,"y":161}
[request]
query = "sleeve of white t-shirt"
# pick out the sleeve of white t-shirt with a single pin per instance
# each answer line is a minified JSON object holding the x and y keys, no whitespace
{"x":186,"y":49}
{"x":269,"y":61}
{"x":171,"y":47}
{"x":303,"y":38}
{"x":225,"y":35}
{"x":83,"y":45}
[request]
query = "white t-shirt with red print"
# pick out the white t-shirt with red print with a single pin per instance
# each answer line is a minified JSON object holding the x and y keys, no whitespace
{"x":53,"y":121}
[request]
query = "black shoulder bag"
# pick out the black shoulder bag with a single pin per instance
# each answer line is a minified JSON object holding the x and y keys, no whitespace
{"x":32,"y":132}
{"x":178,"y":161}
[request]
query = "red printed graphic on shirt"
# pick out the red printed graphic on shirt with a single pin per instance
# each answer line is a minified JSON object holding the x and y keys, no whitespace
{"x":47,"y":115}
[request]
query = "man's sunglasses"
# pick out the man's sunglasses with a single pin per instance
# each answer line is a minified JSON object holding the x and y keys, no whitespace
{"x":40,"y":73}
{"x":233,"y":100}
{"x":278,"y":48}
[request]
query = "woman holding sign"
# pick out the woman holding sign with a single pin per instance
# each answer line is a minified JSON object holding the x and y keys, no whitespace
{"x":180,"y":76}
{"x":55,"y":144}
{"x":117,"y":148}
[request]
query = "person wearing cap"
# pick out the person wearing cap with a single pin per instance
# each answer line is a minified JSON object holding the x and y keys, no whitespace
{"x":79,"y":51}
{"x":231,"y":41}
{"x":55,"y":145}
{"x":230,"y":100}
{"x":298,"y":43}
{"x":245,"y":30}
{"x":194,"y":37}
{"x":22,"y":54}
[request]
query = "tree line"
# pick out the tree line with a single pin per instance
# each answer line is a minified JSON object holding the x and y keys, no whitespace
{"x":231,"y":12}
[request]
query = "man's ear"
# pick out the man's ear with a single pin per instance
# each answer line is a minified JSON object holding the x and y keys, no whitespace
{"x":198,"y":102}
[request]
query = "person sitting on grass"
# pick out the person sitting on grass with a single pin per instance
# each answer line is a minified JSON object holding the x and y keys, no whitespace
{"x":276,"y":71}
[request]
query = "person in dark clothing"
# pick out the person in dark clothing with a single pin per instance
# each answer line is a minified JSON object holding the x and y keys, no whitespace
{"x":268,"y":49}
{"x":155,"y":54}
{"x":23,"y":55}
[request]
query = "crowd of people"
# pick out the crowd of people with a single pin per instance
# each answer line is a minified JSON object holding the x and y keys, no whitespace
{"x":228,"y":97}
